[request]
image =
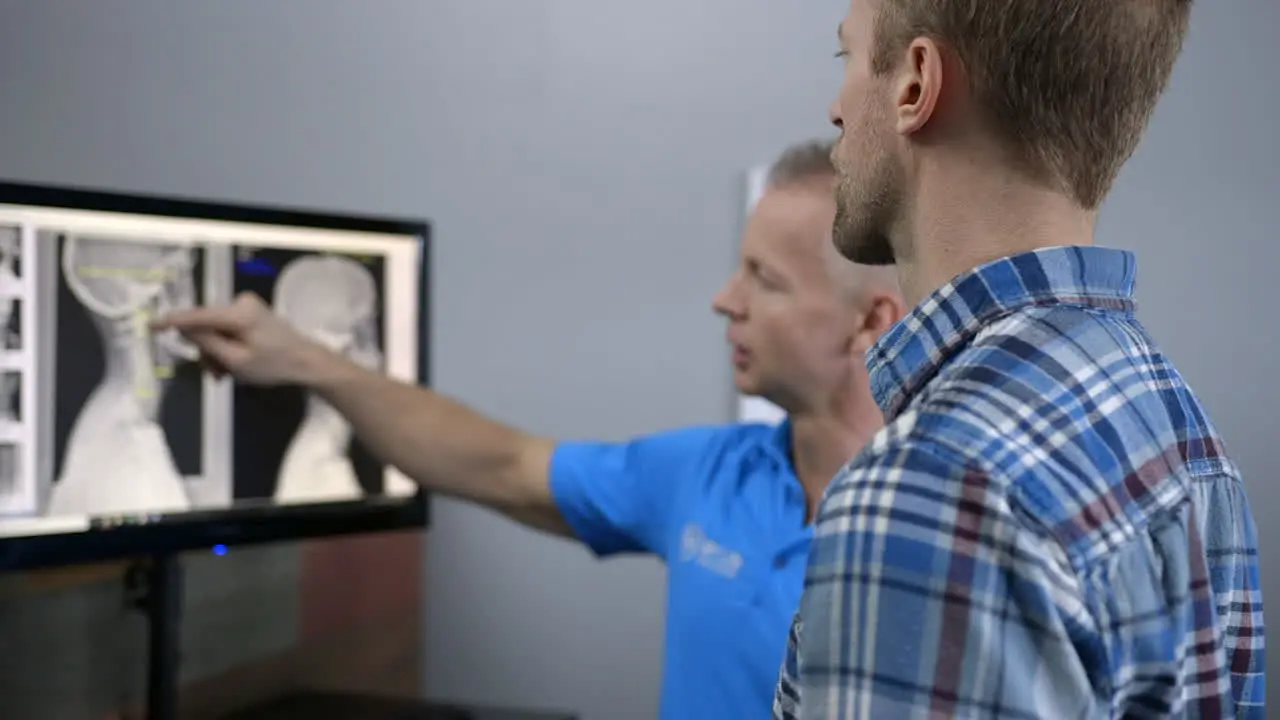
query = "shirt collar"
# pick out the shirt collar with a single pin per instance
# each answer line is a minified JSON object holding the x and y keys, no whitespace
{"x":906,"y":357}
{"x":779,"y":442}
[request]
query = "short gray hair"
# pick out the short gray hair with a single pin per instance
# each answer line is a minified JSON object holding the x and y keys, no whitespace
{"x":805,"y":161}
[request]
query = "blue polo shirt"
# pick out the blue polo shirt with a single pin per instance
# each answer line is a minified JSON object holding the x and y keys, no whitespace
{"x":723,"y":508}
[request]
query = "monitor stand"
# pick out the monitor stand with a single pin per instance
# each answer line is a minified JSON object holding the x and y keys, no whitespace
{"x":154,"y":586}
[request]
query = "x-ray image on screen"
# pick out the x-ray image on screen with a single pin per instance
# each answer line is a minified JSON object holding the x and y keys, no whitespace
{"x":10,"y":468}
{"x":11,"y":324}
{"x":290,"y":445}
{"x":11,"y":396}
{"x":18,"y":371}
{"x":10,"y":260}
{"x":127,"y":401}
{"x":11,"y":288}
{"x":107,"y":422}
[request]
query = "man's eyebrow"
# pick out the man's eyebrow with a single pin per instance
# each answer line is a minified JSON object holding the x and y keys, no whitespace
{"x":840,"y":32}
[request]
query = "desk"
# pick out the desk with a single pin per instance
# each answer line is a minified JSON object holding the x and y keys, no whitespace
{"x":334,"y":706}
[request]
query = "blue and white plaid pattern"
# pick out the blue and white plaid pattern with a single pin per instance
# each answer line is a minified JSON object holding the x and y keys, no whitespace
{"x":1048,"y":527}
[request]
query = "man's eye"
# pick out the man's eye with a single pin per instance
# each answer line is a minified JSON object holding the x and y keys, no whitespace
{"x":841,"y":54}
{"x":765,"y":280}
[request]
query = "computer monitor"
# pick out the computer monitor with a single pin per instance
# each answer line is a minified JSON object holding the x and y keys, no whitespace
{"x":114,"y":442}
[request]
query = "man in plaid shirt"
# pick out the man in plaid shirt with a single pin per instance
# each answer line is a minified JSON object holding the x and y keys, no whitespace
{"x":1049,"y":526}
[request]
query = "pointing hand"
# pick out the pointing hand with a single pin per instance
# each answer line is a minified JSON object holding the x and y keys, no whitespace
{"x":245,"y":339}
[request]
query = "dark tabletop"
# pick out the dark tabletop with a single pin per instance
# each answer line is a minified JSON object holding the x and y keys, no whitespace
{"x":332,"y":706}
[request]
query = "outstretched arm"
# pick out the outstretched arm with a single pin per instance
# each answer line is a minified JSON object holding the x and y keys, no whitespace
{"x":614,"y":497}
{"x":441,"y":444}
{"x":437,"y":442}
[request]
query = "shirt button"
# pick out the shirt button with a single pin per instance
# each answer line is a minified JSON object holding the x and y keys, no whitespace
{"x":780,"y":562}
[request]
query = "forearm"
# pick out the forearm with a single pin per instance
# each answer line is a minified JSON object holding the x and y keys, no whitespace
{"x":439,"y":443}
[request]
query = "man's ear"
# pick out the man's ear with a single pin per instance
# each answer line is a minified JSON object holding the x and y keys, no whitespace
{"x":881,"y":312}
{"x":920,"y":85}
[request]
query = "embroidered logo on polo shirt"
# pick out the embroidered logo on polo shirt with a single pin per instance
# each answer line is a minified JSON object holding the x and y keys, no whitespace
{"x":696,"y":547}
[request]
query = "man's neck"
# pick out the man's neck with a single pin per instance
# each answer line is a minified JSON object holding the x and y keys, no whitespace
{"x":822,"y":443}
{"x":960,"y":223}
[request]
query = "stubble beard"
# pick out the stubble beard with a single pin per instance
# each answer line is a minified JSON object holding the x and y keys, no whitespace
{"x":864,"y":212}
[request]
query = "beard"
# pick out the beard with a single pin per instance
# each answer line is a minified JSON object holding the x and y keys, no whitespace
{"x":868,"y":201}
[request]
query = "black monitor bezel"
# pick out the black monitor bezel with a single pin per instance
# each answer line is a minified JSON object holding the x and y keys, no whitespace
{"x":111,"y":539}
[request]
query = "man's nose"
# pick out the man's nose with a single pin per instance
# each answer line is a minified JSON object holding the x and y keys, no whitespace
{"x":725,"y":301}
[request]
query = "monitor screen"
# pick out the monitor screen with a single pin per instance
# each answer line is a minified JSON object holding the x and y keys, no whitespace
{"x":110,"y":428}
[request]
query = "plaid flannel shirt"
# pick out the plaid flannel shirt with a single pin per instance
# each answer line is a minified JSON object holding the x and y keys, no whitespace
{"x":1048,"y":527}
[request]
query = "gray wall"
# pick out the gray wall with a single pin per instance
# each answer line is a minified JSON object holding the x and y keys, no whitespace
{"x":576,"y":155}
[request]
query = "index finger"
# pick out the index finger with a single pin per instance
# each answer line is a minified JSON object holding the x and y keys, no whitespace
{"x":208,"y":319}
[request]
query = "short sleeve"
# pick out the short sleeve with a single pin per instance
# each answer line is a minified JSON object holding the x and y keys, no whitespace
{"x":625,"y":497}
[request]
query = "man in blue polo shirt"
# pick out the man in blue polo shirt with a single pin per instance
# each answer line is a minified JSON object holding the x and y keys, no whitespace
{"x":727,"y":507}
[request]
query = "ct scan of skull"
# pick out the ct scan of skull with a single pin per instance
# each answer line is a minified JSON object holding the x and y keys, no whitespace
{"x":333,"y":300}
{"x":117,"y":459}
